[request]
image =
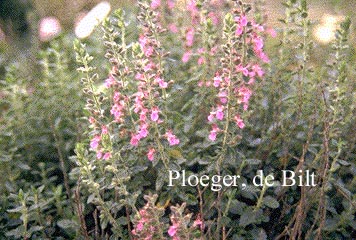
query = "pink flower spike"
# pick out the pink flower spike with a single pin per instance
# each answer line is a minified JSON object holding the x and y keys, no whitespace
{"x":172,"y":230}
{"x":154,"y":114}
{"x":107,"y":156}
{"x":150,"y":154}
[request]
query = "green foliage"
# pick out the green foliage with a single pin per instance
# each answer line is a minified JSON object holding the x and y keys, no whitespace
{"x":39,"y":127}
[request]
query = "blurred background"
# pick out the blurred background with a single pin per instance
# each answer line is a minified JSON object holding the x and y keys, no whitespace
{"x":26,"y":24}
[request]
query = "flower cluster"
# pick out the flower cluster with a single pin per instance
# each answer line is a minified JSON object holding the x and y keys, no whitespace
{"x":151,"y":85}
{"x":137,"y":90}
{"x":239,"y":69}
{"x":202,"y":16}
{"x":147,"y":224}
{"x":180,"y":229}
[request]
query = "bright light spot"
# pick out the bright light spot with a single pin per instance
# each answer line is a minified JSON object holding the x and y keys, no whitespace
{"x":324,"y":34}
{"x":49,"y":27}
{"x":325,"y":31}
{"x":85,"y":26}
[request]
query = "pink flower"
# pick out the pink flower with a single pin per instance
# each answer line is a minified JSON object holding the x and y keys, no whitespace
{"x":192,"y":7}
{"x":107,"y":156}
{"x":155,"y":4}
{"x":173,"y":28}
{"x":190,"y":37}
{"x":110,"y":81}
{"x":213,"y":132}
{"x":161,"y":82}
{"x":239,"y":30}
{"x":211,"y":116}
{"x":263,"y":57}
{"x":198,"y":222}
{"x":134,"y":140}
{"x":150,"y":154}
{"x":94,"y":143}
{"x":154,"y":114}
{"x":143,"y":132}
{"x":139,"y":226}
{"x":140,"y":76}
{"x":243,"y":21}
{"x":170,"y":4}
{"x":172,"y":230}
{"x":186,"y":56}
{"x":201,"y":60}
{"x":223,"y":96}
{"x":104,"y":129}
{"x":148,"y":51}
{"x":242,"y":69}
{"x":220,"y":113}
{"x":99,"y":155}
{"x":271,"y":32}
{"x":245,"y":93}
{"x":258,"y":70}
{"x":214,"y":18}
{"x":239,"y":122}
{"x":258,"y":43}
{"x":149,"y":67}
{"x":92,"y":120}
{"x":217,"y":81}
{"x":172,"y":139}
{"x":212,"y":135}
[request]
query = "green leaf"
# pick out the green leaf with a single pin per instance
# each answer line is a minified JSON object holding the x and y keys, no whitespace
{"x":66,"y":224}
{"x":237,"y":207}
{"x":252,"y":161}
{"x":270,"y":202}
{"x":35,"y":229}
{"x":247,"y":218}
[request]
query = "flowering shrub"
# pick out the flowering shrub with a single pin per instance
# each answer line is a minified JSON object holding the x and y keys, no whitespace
{"x":207,"y":89}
